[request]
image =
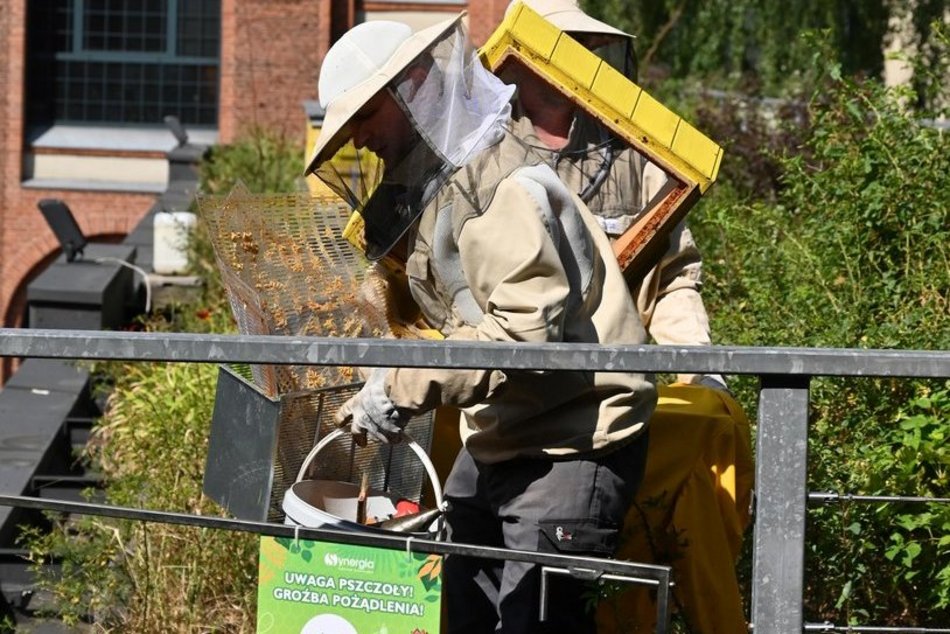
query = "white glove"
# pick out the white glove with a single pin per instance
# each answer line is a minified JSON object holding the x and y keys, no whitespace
{"x":371,"y":412}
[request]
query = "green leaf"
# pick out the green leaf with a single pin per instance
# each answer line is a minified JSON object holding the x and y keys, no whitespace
{"x":844,"y":596}
{"x":911,"y":552}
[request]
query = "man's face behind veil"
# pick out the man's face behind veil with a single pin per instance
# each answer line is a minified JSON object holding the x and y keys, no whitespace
{"x":382,"y":127}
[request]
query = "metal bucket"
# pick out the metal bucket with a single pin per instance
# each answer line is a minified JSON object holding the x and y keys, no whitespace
{"x":332,"y":503}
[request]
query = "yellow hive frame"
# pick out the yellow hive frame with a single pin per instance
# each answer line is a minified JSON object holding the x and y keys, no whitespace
{"x":685,"y":153}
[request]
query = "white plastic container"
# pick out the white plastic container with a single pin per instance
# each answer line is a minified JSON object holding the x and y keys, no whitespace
{"x":316,"y":503}
{"x":172,"y":231}
{"x":332,"y":504}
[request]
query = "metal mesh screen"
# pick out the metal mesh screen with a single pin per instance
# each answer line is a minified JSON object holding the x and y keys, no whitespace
{"x":306,"y":417}
{"x":287,"y":270}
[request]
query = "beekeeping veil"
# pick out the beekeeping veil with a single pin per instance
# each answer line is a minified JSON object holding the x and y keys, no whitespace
{"x":455,"y":107}
{"x":586,"y":162}
{"x":609,"y":43}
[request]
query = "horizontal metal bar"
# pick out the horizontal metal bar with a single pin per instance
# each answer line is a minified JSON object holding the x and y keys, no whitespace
{"x":152,"y":58}
{"x":662,"y":592}
{"x":848,"y":497}
{"x":877,"y":629}
{"x":661,"y":574}
{"x":288,"y":350}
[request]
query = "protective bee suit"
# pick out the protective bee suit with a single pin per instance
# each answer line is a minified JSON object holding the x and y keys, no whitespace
{"x":694,"y":503}
{"x":618,"y":183}
{"x":496,"y":249}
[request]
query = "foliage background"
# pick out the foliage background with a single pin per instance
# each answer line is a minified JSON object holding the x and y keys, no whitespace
{"x":852,"y":250}
{"x":830,"y":227}
{"x":758,"y":42}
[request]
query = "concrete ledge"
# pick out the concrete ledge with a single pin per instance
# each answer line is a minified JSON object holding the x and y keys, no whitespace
{"x":97,"y":186}
{"x":33,"y":408}
{"x":119,"y":138}
{"x":49,"y":374}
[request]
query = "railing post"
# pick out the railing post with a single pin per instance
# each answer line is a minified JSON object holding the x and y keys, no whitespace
{"x":778,"y":559}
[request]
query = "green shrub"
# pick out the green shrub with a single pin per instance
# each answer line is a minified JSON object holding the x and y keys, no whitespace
{"x":914,"y":459}
{"x":262,"y":160}
{"x":853,"y":251}
{"x":152,"y":577}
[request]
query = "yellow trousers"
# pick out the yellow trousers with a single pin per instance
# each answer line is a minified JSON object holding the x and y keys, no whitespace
{"x":690,"y":513}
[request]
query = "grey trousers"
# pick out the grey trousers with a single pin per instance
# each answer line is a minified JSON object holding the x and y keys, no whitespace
{"x":572,"y":507}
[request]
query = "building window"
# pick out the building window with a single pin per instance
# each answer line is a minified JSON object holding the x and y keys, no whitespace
{"x":120,"y":62}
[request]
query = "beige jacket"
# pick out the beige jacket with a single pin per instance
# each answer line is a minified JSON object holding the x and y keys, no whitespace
{"x":506,"y":253}
{"x":668,"y":298}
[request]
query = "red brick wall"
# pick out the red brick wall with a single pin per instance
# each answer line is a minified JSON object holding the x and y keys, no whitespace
{"x":483,"y":17}
{"x":270,"y":55}
{"x":10,"y":48}
{"x":28,"y":244}
{"x":25,"y":239}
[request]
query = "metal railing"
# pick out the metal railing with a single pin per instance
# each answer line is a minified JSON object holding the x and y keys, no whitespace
{"x":781,"y":442}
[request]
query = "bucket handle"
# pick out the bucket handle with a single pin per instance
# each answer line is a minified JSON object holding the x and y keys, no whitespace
{"x":416,"y":448}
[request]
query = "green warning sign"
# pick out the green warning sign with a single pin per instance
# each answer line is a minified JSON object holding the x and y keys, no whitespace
{"x":309,"y":587}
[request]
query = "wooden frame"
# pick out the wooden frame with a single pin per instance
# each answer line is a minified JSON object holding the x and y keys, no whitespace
{"x":689,"y":158}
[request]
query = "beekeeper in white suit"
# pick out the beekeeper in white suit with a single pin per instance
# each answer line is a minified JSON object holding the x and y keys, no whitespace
{"x":496,"y":249}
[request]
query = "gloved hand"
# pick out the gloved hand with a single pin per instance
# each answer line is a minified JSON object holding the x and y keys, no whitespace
{"x":371,"y":413}
{"x":716,"y":382}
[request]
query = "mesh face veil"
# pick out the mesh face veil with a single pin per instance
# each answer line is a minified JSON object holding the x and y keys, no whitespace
{"x":448,"y":109}
{"x":607,"y":42}
{"x":616,"y":51}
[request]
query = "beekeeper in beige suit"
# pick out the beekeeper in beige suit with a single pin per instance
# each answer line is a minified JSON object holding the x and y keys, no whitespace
{"x":615,"y":181}
{"x":694,"y":503}
{"x":496,"y":249}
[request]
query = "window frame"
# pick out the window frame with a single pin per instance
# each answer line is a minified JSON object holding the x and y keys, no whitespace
{"x":76,"y":52}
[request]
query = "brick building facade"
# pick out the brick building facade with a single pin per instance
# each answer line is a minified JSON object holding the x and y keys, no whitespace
{"x":269,"y":56}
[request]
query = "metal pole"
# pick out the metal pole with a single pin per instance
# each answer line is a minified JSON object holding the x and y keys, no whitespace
{"x":648,"y":574}
{"x":781,"y":468}
{"x":334,"y":351}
